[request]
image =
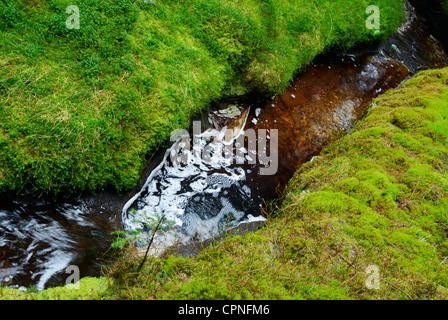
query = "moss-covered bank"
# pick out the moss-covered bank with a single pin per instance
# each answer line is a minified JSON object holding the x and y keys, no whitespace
{"x":376,"y":197}
{"x":80,"y":108}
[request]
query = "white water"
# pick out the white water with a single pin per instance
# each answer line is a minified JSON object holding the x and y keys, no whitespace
{"x":202,"y":198}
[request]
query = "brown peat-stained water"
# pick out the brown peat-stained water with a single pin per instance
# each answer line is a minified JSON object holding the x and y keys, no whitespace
{"x":38,"y":239}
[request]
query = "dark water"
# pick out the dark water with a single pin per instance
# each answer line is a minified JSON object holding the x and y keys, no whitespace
{"x":38,"y":240}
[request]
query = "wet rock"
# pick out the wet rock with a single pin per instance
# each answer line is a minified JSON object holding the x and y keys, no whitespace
{"x":223,"y":117}
{"x":395,"y":48}
{"x":232,"y":111}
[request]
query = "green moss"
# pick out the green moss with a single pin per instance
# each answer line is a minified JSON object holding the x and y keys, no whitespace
{"x":401,"y":197}
{"x":85,"y":289}
{"x":80,"y":109}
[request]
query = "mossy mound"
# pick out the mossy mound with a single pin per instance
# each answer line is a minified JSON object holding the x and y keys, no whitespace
{"x":379,"y":197}
{"x":80,"y":108}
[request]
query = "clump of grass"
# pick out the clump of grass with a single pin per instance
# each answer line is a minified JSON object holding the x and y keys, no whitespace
{"x":80,"y":109}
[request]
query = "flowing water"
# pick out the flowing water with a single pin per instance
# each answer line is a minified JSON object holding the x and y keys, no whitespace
{"x":204,"y":196}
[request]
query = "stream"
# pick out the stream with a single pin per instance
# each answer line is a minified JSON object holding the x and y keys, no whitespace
{"x":203,"y":196}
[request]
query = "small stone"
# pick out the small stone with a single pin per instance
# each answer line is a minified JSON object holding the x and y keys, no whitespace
{"x":395,"y":48}
{"x":232,"y":111}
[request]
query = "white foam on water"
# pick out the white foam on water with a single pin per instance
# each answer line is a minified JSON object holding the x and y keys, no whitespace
{"x":56,"y":262}
{"x":202,"y":196}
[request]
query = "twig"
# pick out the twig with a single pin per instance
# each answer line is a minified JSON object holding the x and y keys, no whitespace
{"x":394,"y":286}
{"x":415,"y":188}
{"x":149,"y":245}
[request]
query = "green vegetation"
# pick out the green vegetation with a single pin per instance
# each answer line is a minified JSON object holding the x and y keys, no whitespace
{"x":375,"y":197}
{"x":444,"y":4}
{"x":158,"y":224}
{"x":80,"y":109}
{"x":89,"y":289}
